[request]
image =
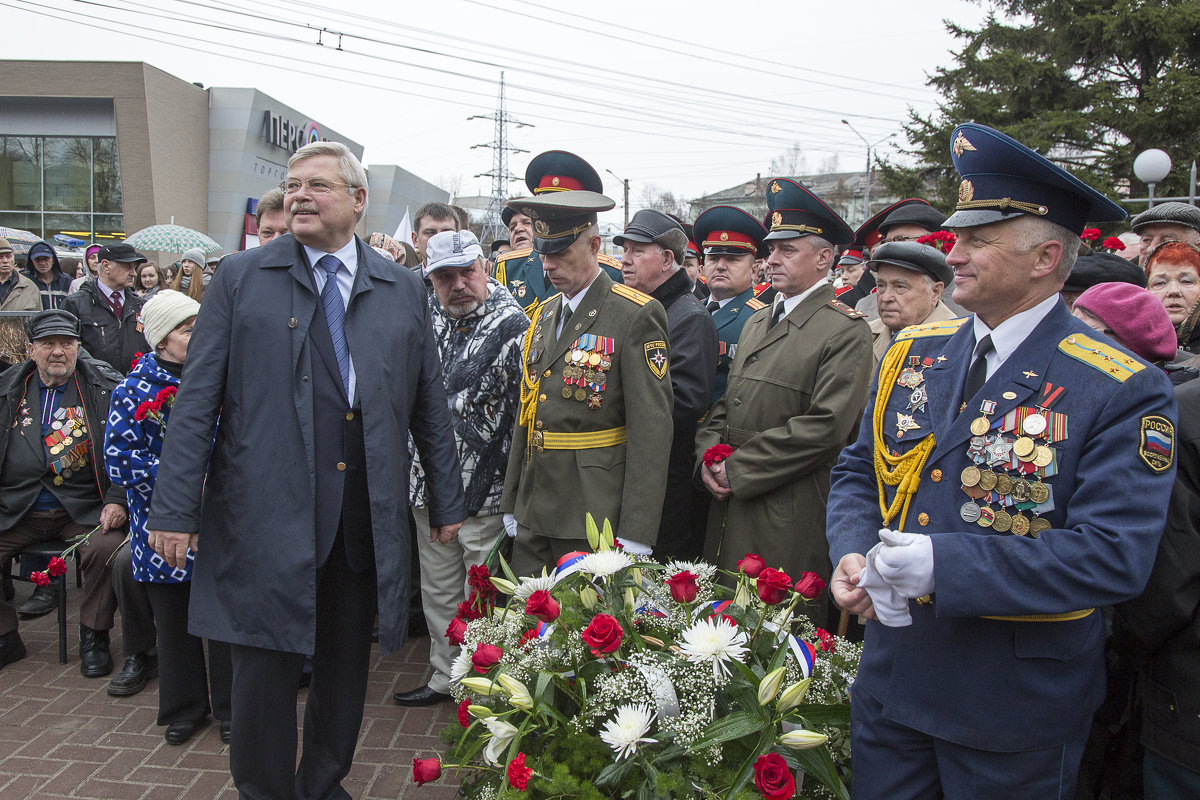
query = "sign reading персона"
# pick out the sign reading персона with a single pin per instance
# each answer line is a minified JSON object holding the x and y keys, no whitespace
{"x":285,"y":134}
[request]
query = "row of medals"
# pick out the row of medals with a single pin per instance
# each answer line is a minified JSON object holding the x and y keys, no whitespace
{"x":69,"y":429}
{"x":984,"y":481}
{"x":592,"y":368}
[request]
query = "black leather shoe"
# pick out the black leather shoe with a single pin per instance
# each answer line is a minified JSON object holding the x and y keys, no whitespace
{"x":179,"y":732}
{"x":39,"y":604}
{"x":94,"y":659}
{"x":11,"y":648}
{"x":421,"y":696}
{"x":139,"y":668}
{"x":226,"y":730}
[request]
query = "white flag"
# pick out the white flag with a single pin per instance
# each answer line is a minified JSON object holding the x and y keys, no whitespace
{"x":404,"y":229}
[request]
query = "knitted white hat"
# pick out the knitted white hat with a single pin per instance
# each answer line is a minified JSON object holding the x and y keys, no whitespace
{"x":164,"y":312}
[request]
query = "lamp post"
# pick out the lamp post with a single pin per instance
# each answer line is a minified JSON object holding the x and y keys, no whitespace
{"x":1150,"y":167}
{"x":624,"y":181}
{"x":867,"y":187}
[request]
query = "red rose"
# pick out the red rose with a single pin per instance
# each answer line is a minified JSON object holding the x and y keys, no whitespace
{"x":542,"y":605}
{"x":683,"y":586}
{"x":457,"y":632}
{"x":828,"y":643}
{"x":717,"y":453}
{"x":464,"y":716}
{"x":426,"y":770}
{"x":773,"y":586}
{"x":485,"y":657}
{"x":603,"y":635}
{"x":56,"y":567}
{"x":39,"y":579}
{"x":773,"y":778}
{"x":810,"y":585}
{"x":751,"y":565}
{"x":518,"y":773}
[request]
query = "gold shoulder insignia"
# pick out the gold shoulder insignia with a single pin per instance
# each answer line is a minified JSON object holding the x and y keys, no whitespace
{"x":500,"y":273}
{"x":944,"y":328}
{"x":629,"y":293}
{"x":1102,"y":357}
{"x":755,"y":304}
{"x":511,"y":254}
{"x":845,"y":309}
{"x":605,"y":258}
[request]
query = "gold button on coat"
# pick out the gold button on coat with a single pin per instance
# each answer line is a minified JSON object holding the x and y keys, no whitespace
{"x":923,"y":518}
{"x":936,"y":475}
{"x":341,"y":465}
{"x":349,"y":415}
{"x":541,"y":398}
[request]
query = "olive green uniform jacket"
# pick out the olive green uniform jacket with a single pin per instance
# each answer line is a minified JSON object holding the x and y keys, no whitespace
{"x":796,"y":394}
{"x":550,"y":489}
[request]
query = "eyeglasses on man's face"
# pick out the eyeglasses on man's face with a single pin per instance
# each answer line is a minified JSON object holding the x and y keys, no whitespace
{"x":313,"y":185}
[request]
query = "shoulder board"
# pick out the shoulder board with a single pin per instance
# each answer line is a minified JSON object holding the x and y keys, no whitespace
{"x":755,"y":304}
{"x":760,"y":288}
{"x":944,"y":328}
{"x":845,"y":309}
{"x":1100,"y":356}
{"x":605,"y":258}
{"x":629,"y":293}
{"x":511,"y":254}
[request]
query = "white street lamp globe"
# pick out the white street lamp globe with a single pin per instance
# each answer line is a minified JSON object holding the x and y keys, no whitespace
{"x":1152,"y":165}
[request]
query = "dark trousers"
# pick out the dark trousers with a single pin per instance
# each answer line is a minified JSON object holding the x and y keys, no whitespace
{"x":137,"y":618}
{"x":183,"y":684}
{"x":263,"y":750}
{"x":895,"y":762}
{"x":99,"y":603}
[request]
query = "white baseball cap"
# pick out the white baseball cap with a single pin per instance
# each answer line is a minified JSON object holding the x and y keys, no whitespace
{"x":451,"y":249}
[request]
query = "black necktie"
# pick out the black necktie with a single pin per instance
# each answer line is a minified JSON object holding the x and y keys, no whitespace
{"x":713,"y":305}
{"x":977,"y":375}
{"x":566,"y":317}
{"x":776,"y":316}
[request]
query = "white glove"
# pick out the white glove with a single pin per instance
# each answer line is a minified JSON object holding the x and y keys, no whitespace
{"x":510,"y":526}
{"x":905,"y":562}
{"x":890,"y":608}
{"x":635,"y":548}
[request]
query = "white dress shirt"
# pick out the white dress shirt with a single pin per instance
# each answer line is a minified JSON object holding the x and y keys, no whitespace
{"x":348,"y":255}
{"x":1008,"y":335}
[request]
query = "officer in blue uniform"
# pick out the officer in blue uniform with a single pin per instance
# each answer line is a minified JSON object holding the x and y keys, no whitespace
{"x":731,"y":240}
{"x":1010,"y":479}
{"x":520,"y":269}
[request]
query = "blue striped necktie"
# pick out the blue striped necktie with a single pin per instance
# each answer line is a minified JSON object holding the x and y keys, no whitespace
{"x":335,"y":315}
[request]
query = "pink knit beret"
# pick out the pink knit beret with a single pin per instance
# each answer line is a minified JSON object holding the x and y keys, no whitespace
{"x":1135,"y":316}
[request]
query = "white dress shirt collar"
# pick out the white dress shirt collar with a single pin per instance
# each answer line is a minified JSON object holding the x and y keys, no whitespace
{"x":1008,"y":335}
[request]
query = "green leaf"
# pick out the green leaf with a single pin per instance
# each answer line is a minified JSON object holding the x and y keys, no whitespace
{"x":819,"y":764}
{"x":614,"y":773}
{"x":508,"y":573}
{"x":735,"y":726}
{"x":817,"y":715}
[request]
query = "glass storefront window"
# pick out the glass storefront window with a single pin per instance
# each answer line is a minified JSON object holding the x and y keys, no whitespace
{"x":22,"y":221}
{"x":109,"y":228}
{"x":67,"y":171}
{"x":74,"y":226}
{"x":106,"y":178}
{"x":20,"y":173}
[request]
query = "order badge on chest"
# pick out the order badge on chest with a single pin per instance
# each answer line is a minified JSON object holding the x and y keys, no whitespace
{"x":585,"y":371}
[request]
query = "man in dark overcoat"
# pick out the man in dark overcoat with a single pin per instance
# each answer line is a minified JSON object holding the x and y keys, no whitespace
{"x":318,"y":357}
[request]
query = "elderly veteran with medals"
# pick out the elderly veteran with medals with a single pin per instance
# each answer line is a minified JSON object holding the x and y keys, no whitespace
{"x":520,"y":270}
{"x":796,"y":388}
{"x":909,"y":279}
{"x":595,"y":391}
{"x":1026,"y":491}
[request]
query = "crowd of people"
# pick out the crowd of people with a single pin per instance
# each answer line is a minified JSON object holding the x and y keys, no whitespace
{"x":966,"y":426}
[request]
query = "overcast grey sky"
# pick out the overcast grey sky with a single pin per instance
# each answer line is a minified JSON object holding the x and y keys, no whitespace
{"x":689,"y":97}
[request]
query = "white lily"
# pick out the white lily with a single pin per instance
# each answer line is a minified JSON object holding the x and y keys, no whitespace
{"x":502,"y":733}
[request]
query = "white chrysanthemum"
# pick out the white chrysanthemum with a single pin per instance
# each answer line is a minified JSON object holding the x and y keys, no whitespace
{"x":627,"y":729}
{"x":605,"y":563}
{"x":461,"y":666}
{"x":530,"y":585}
{"x":714,"y":640}
{"x":502,"y":733}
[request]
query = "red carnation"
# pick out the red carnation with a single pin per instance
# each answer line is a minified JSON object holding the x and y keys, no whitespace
{"x":717,"y":453}
{"x":810,"y":585}
{"x":426,"y":770}
{"x":164,"y":395}
{"x":603,"y":635}
{"x":518,"y":773}
{"x":136,"y":358}
{"x":56,"y":567}
{"x":40,"y":579}
{"x":773,"y":586}
{"x":457,"y":631}
{"x":464,"y":716}
{"x":479,"y":578}
{"x":683,"y":586}
{"x":467,"y":609}
{"x":527,"y":637}
{"x":751,"y":565}
{"x":485,"y":657}
{"x":142,"y":410}
{"x":542,"y":605}
{"x":773,"y":778}
{"x":828,"y":643}
{"x":1112,"y":244}
{"x":1090,"y":235}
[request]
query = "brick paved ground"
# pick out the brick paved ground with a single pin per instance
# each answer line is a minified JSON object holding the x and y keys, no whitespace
{"x":62,"y":736}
